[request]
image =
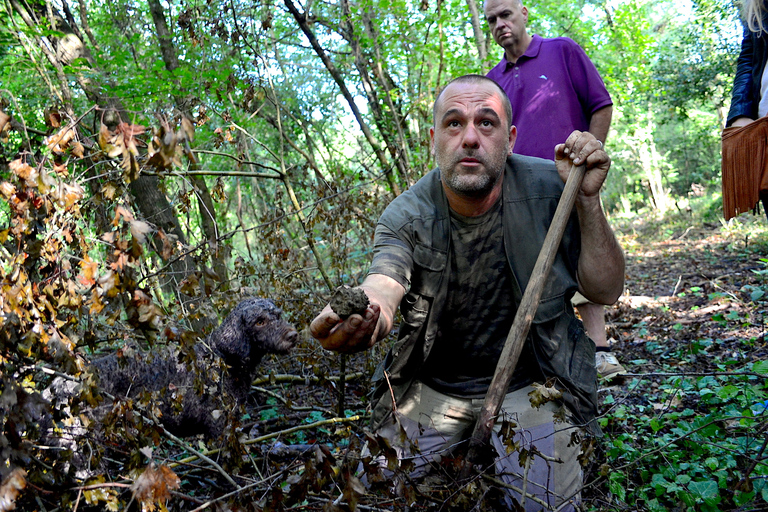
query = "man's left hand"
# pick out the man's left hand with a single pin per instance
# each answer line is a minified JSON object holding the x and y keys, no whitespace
{"x":583,"y":148}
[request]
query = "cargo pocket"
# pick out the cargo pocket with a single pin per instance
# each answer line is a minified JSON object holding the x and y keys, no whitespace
{"x":429,"y":265}
{"x":548,"y":324}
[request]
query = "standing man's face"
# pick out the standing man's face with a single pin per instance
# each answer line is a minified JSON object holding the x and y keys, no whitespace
{"x":507,"y":20}
{"x":471,"y":139}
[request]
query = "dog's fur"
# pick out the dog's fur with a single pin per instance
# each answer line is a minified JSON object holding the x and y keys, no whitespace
{"x":191,"y":395}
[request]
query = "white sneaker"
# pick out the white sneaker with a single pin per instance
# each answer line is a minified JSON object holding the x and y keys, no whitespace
{"x":608,"y":366}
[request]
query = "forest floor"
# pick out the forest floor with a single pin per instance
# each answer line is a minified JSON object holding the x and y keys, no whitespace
{"x":693,"y":310}
{"x":684,"y":430}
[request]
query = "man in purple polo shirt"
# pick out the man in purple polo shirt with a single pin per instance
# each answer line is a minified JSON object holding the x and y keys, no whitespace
{"x":554,"y":89}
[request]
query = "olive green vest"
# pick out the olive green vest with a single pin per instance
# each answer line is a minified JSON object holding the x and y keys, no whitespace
{"x":420,"y":216}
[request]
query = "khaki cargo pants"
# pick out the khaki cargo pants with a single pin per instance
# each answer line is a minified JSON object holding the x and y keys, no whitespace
{"x":436,"y":423}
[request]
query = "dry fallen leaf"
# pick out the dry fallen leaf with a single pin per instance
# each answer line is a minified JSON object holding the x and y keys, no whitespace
{"x":10,"y":489}
{"x":139,"y":230}
{"x":155,"y":485}
{"x":542,"y":394}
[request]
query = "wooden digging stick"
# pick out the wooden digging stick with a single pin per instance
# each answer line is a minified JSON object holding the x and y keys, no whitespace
{"x":522,"y":322}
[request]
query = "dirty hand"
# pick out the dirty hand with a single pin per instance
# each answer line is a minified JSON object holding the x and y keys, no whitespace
{"x":354,"y":334}
{"x":581,"y":148}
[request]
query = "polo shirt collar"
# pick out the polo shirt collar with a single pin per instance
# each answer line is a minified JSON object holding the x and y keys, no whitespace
{"x":531,"y":52}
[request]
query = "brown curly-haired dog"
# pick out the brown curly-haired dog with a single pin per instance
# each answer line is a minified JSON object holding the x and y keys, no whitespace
{"x":191,"y":396}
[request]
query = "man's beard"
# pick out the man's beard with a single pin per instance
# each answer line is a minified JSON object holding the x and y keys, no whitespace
{"x":472,"y":185}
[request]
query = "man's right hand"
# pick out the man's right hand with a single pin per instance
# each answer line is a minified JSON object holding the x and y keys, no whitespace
{"x":355,"y":334}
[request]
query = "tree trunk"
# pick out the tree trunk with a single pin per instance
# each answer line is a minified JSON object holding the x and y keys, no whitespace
{"x":477,"y":28}
{"x":202,"y":192}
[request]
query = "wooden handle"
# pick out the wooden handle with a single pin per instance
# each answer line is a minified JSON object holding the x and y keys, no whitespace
{"x":513,"y":346}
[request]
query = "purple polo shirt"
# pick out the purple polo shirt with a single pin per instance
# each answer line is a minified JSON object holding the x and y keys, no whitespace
{"x":554,"y":89}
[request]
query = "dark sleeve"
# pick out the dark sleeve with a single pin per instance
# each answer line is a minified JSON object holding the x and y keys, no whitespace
{"x":744,"y":99}
{"x":392,"y":256}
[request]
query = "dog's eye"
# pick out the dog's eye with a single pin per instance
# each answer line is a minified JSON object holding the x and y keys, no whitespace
{"x":260,"y":322}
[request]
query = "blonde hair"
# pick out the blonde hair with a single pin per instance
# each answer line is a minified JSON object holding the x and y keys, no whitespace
{"x":753,"y":11}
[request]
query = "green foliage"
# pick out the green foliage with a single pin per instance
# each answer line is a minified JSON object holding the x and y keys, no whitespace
{"x":250,"y":117}
{"x":692,"y":444}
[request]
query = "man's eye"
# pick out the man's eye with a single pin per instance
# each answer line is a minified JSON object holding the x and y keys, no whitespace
{"x":486,"y":123}
{"x":453,"y":124}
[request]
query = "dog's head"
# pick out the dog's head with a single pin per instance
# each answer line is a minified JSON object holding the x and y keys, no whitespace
{"x":255,"y":327}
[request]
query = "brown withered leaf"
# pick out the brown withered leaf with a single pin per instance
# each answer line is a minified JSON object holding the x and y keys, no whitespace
{"x":543,"y":393}
{"x":116,"y":147}
{"x":109,"y":237}
{"x":110,"y":143}
{"x":7,"y":190}
{"x":52,"y":117}
{"x":188,"y":128}
{"x":44,"y":181}
{"x":154,"y":485}
{"x":89,"y":272}
{"x":130,"y":166}
{"x":11,"y":487}
{"x":67,"y":195}
{"x":104,"y":136}
{"x":353,"y":491}
{"x":109,"y":284}
{"x":163,"y":150}
{"x":130,"y":131}
{"x":108,"y":190}
{"x":60,"y":169}
{"x":120,"y":260}
{"x":169,"y":244}
{"x":139,"y":230}
{"x":5,"y":121}
{"x":78,"y":150}
{"x":24,"y":171}
{"x":58,"y":142}
{"x":124,"y":213}
{"x":191,"y":284}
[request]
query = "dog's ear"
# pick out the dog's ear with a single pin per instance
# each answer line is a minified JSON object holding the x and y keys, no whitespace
{"x":230,"y":340}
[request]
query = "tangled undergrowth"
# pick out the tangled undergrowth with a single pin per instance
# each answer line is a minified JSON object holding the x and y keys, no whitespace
{"x":685,"y":430}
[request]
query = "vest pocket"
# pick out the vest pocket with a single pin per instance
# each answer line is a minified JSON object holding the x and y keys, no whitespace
{"x":548,"y":324}
{"x":414,"y":308}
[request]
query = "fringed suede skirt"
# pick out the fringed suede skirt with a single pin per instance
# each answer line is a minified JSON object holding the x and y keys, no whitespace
{"x":745,"y":166}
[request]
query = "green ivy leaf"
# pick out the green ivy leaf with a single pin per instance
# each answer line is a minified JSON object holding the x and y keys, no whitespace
{"x":617,"y":485}
{"x":727,"y":392}
{"x":706,"y":491}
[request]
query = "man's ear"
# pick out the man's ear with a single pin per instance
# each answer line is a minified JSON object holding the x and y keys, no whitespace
{"x":524,"y":10}
{"x":512,"y":138}
{"x":432,"y":141}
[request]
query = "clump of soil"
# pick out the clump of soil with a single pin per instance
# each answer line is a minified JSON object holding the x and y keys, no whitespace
{"x":348,"y":301}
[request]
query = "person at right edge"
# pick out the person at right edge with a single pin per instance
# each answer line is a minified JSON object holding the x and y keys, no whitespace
{"x":554,"y":89}
{"x":745,"y":138}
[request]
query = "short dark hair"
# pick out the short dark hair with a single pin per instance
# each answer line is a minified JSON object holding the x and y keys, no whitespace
{"x":476,"y":79}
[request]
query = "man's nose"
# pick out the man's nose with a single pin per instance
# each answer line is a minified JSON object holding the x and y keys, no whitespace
{"x":471,"y":139}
